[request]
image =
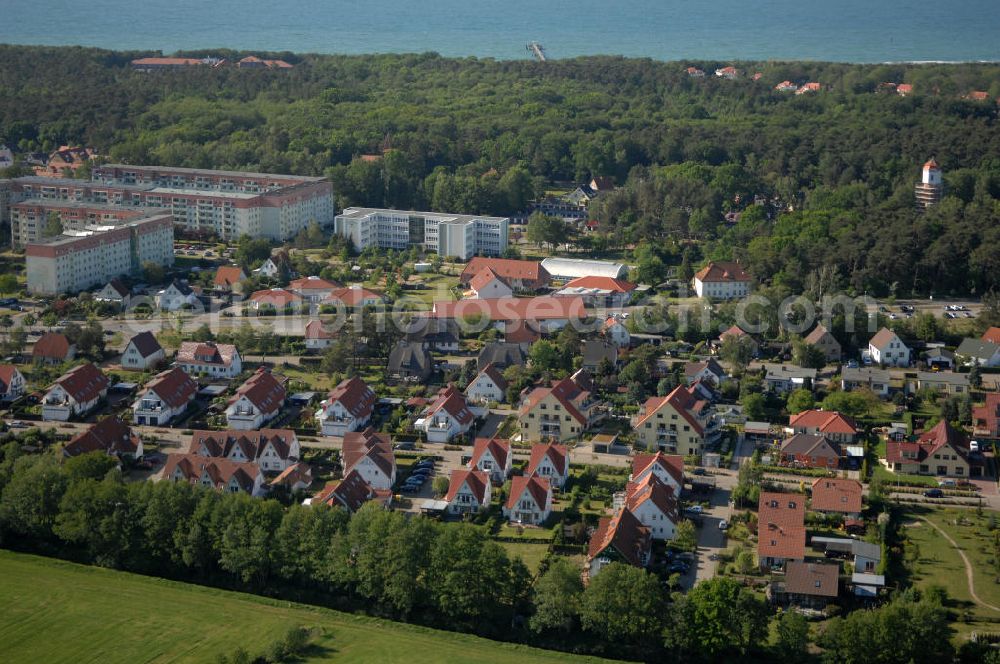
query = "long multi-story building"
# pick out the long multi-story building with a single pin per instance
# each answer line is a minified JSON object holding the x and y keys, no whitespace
{"x":81,"y":259}
{"x":30,"y":218}
{"x":228,"y":204}
{"x":460,"y":235}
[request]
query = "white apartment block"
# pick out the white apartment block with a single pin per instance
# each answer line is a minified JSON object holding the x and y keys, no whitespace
{"x":79,"y":260}
{"x":225,"y":203}
{"x":460,"y":235}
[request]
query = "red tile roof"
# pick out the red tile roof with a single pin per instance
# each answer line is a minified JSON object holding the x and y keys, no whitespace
{"x":538,"y":487}
{"x":836,"y":495}
{"x":174,"y":387}
{"x":602,"y":283}
{"x":484,"y":277}
{"x":7,"y":373}
{"x":296,"y":473}
{"x":476,"y":480}
{"x":557,"y":454}
{"x":316,"y":330}
{"x":987,"y":416}
{"x":312,"y":283}
{"x":826,"y":421}
{"x":83,"y":383}
{"x":263,"y":390}
{"x":673,"y":464}
{"x":368,"y":443}
{"x":353,"y":296}
{"x":882,"y":338}
{"x":569,"y":392}
{"x":507,"y":268}
{"x":279,"y":298}
{"x":355,"y":396}
{"x":206,"y":353}
{"x":682,"y":400}
{"x":109,"y":435}
{"x":781,"y":531}
{"x":652,"y":489}
{"x":992,"y":335}
{"x":941,"y":435}
{"x":220,"y":471}
{"x":351,"y":493}
{"x":722,"y":271}
{"x":228,"y":275}
{"x":51,"y":345}
{"x":499,"y":449}
{"x":453,"y":402}
{"x":513,"y":309}
{"x":252,"y":443}
{"x":625,"y":534}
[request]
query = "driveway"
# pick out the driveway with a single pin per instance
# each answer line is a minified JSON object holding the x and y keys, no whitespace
{"x":711,"y":540}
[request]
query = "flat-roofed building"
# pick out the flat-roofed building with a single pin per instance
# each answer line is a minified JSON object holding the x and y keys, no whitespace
{"x":79,"y":260}
{"x":460,"y":235}
{"x":29,"y":219}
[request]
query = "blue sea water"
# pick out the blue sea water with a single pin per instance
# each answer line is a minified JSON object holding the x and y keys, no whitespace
{"x":835,"y":30}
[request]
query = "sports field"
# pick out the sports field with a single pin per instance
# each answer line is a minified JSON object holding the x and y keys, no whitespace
{"x":52,"y":611}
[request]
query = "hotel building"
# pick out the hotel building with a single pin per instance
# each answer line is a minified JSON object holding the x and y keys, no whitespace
{"x":460,"y":235}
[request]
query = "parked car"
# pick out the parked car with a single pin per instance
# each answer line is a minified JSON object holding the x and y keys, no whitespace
{"x":405,"y":446}
{"x":934,"y":493}
{"x":695,"y":509}
{"x":723,"y":525}
{"x":947,"y":482}
{"x":699,"y":471}
{"x":409,"y":488}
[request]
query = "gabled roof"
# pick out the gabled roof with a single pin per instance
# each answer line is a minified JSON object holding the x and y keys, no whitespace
{"x":109,"y":435}
{"x":316,"y":330}
{"x":452,"y":402}
{"x":412,"y":356}
{"x":499,"y":449}
{"x":83,"y":383}
{"x":494,"y":374}
{"x":816,"y":579}
{"x":350,"y":493}
{"x":652,"y":490}
{"x":312,"y":284}
{"x":883,"y":337}
{"x":117,"y":286}
{"x":781,"y":529}
{"x":941,"y":435}
{"x":722,"y":271}
{"x":622,"y":532}
{"x":566,"y":391}
{"x":7,"y":373}
{"x":827,"y":421}
{"x":817,"y":335}
{"x":506,"y":309}
{"x":992,"y":335}
{"x":296,"y":473}
{"x":673,"y":464}
{"x":263,"y":390}
{"x":276,"y":297}
{"x":977,"y":349}
{"x":692,"y":369}
{"x":558,"y":455}
{"x":352,"y":296}
{"x":809,"y":445}
{"x":174,"y":387}
{"x":682,"y":400}
{"x":369,"y":443}
{"x":228,"y":275}
{"x":220,"y":471}
{"x":484,"y":277}
{"x":836,"y":495}
{"x":252,"y":443}
{"x":538,"y":487}
{"x":146,"y":344}
{"x":355,"y":396}
{"x":602,"y":283}
{"x":735,"y":331}
{"x":501,"y":354}
{"x":52,"y":345}
{"x":180,"y":286}
{"x":505,"y":268}
{"x":206,"y":352}
{"x":476,"y":480}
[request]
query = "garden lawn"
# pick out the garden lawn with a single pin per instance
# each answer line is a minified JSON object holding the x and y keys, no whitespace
{"x":53,"y":611}
{"x":891,"y":478}
{"x":530,"y":554}
{"x":939,"y":564}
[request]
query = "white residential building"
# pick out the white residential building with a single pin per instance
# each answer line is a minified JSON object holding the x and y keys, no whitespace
{"x":142,"y":352}
{"x":257,"y":401}
{"x":348,"y":408}
{"x":163,"y":398}
{"x":273,"y":449}
{"x":447,"y":234}
{"x":722,"y":281}
{"x":176,"y":296}
{"x":469,"y":491}
{"x":488,"y":386}
{"x":74,"y":393}
{"x":317,"y":336}
{"x":448,"y":416}
{"x":493,"y":457}
{"x":210,"y":359}
{"x":12,"y":382}
{"x":530,"y":500}
{"x":887,"y":349}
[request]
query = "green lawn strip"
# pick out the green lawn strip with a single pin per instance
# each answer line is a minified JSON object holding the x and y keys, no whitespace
{"x":891,"y":478}
{"x":54,"y":611}
{"x":530,"y":554}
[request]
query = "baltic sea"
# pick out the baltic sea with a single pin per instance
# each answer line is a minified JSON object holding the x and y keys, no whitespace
{"x":833,"y":30}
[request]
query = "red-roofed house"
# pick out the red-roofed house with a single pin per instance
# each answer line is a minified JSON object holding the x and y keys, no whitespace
{"x":942,"y":450}
{"x":488,"y":386}
{"x":228,"y":277}
{"x":370,"y":453}
{"x":560,"y":412}
{"x":313,"y":289}
{"x":468,"y":491}
{"x":12,"y":382}
{"x":352,"y":297}
{"x":530,"y":500}
{"x":519,"y":275}
{"x":986,"y":418}
{"x":837,"y":496}
{"x":804,"y":450}
{"x":904,"y":89}
{"x":257,"y":401}
{"x":352,"y":493}
{"x":549,"y":313}
{"x":992,"y":335}
{"x":488,"y":285}
{"x":978,"y":95}
{"x":812,"y":86}
{"x":654,"y":504}
{"x":614,"y":331}
{"x":786,"y":86}
{"x":620,"y":538}
{"x":209,"y":358}
{"x":273,"y":449}
{"x":493,"y":457}
{"x":53,"y":348}
{"x":723,"y":280}
{"x":164,"y":397}
{"x":348,"y":407}
{"x":827,"y":423}
{"x":669,"y":469}
{"x":297,"y":477}
{"x":599,"y":291}
{"x":219,"y":474}
{"x":679,"y":423}
{"x":274,"y":298}
{"x":737,"y":333}
{"x":317,"y":336}
{"x":781,"y":531}
{"x":728,"y":73}
{"x":110,"y":435}
{"x":449,"y":415}
{"x":549,"y":461}
{"x":826,"y":342}
{"x":74,"y":393}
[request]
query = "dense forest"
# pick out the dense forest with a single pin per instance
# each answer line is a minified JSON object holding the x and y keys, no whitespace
{"x":834,"y":169}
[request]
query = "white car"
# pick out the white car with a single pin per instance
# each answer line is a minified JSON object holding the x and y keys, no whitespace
{"x":723,"y":525}
{"x":695,"y":509}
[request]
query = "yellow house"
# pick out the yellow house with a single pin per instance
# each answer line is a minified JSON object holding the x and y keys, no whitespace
{"x":560,"y":412}
{"x":678,"y":423}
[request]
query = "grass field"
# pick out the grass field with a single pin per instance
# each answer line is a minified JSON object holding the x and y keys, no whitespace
{"x":530,"y":554}
{"x":52,"y":611}
{"x":939,"y":564}
{"x":891,"y":478}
